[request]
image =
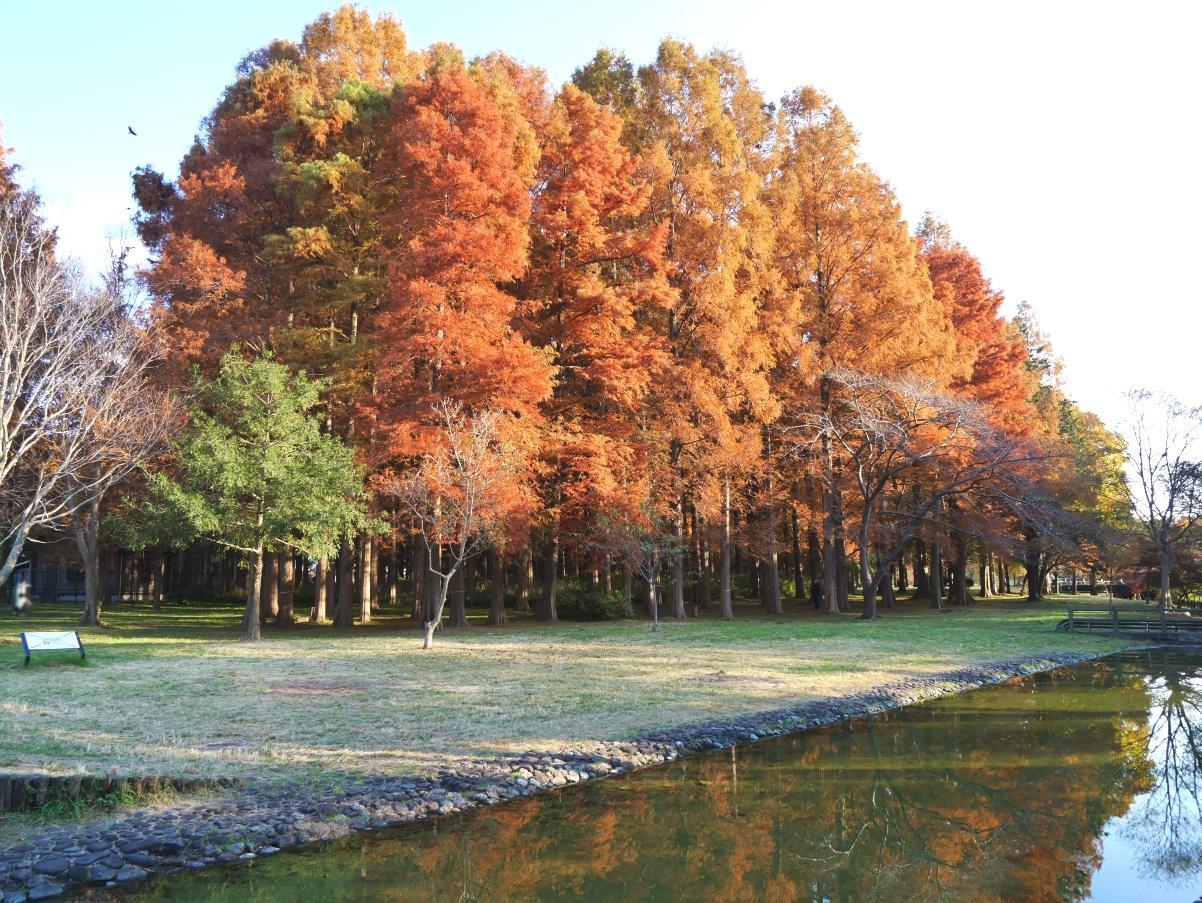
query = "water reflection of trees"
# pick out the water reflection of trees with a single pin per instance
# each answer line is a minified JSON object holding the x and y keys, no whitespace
{"x":1165,"y":824}
{"x":1000,"y":795}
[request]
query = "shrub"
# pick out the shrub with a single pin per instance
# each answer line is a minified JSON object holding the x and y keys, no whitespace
{"x":576,"y":602}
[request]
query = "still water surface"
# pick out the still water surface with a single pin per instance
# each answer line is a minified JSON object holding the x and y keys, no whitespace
{"x":1080,"y":784}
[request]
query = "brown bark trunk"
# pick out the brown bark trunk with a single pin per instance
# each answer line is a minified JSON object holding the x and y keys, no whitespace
{"x":344,"y":604}
{"x":830,"y":567}
{"x":814,"y":567}
{"x":85,"y":530}
{"x":546,"y":606}
{"x":799,"y":592}
{"x":959,"y":593}
{"x":320,"y":590}
{"x":366,"y":581}
{"x":935,"y":582}
{"x":525,"y":578}
{"x":678,"y":564}
{"x":888,"y":595}
{"x":496,"y":609}
{"x":870,"y":583}
{"x":270,"y":586}
{"x":254,"y":586}
{"x":1031,"y":554}
{"x":418,"y":581}
{"x":459,"y":598}
{"x":841,"y":571}
{"x":726,"y":609}
{"x":284,"y":616}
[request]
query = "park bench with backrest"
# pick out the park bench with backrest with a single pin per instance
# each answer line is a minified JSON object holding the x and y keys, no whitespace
{"x":52,"y":641}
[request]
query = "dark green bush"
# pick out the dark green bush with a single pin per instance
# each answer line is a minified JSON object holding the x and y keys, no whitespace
{"x":576,"y":602}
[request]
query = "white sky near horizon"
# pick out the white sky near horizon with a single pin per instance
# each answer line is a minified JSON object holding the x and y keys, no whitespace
{"x":1061,"y":141}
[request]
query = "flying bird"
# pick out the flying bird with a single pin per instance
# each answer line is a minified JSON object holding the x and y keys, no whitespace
{"x":130,"y":129}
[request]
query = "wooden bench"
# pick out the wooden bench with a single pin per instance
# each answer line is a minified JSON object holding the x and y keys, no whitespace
{"x":52,"y":641}
{"x":1116,"y":617}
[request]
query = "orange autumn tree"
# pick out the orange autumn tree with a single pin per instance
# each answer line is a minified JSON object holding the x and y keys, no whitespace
{"x":593,"y":295}
{"x":463,"y":160}
{"x":703,"y":123}
{"x":991,"y":368}
{"x":990,"y":358}
{"x":852,"y":293}
{"x":270,"y":236}
{"x":226,"y":238}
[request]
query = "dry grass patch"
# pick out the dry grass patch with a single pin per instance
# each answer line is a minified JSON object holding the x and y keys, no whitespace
{"x":172,"y":693}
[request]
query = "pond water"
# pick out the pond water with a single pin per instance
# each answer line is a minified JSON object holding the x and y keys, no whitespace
{"x":1079,"y":784}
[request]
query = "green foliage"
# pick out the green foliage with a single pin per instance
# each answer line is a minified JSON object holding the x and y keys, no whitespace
{"x":577,"y":601}
{"x":254,"y":470}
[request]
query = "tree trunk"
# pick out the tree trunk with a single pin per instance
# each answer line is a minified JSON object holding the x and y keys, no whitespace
{"x":157,"y":568}
{"x":841,"y":570}
{"x":254,"y":586}
{"x":525,"y":578}
{"x":870,"y":584}
{"x":496,"y":609}
{"x":546,"y":607}
{"x":394,"y":571}
{"x":935,"y":581}
{"x":344,"y":606}
{"x":432,"y":587}
{"x":798,"y":584}
{"x":830,"y":567}
{"x":85,"y":530}
{"x":1031,"y":555}
{"x":320,"y":590}
{"x":284,"y":616}
{"x":959,"y":595}
{"x":418,"y":584}
{"x":814,"y":566}
{"x":678,"y":611}
{"x":888,"y":595}
{"x":470,"y":566}
{"x":270,"y":586}
{"x":653,"y":601}
{"x":1166,"y":571}
{"x":459,"y":598}
{"x":366,"y":581}
{"x":1093,"y":579}
{"x":772,"y":562}
{"x":724,"y":598}
{"x":922,"y":582}
{"x":985,"y":591}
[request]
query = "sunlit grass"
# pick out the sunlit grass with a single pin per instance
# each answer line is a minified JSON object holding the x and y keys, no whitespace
{"x":173,"y":692}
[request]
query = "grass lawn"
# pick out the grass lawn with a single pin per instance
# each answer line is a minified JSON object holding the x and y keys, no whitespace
{"x":174,"y":693}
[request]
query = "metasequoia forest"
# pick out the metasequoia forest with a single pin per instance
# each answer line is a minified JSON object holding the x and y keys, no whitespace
{"x":650,"y":338}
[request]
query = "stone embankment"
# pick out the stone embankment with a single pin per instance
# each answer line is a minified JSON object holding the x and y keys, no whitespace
{"x":260,"y":821}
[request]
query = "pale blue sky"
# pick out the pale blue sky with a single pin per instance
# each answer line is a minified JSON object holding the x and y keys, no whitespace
{"x":1061,"y":141}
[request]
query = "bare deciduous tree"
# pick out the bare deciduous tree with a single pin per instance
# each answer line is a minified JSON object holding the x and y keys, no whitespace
{"x":1164,"y":454}
{"x":648,"y":545}
{"x":460,"y":498}
{"x":135,"y":422}
{"x":76,"y":411}
{"x":910,"y":449}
